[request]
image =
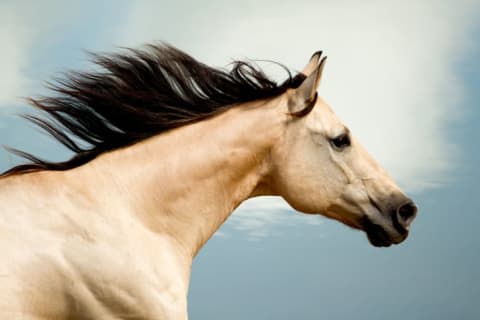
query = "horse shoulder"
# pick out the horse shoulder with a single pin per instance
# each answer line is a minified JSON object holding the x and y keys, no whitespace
{"x":64,"y":261}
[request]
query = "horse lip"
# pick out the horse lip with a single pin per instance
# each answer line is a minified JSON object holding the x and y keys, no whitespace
{"x":378,"y":236}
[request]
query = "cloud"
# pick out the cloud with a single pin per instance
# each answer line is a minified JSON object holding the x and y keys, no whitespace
{"x":14,"y":38}
{"x":259,"y":217}
{"x":391,"y":70}
{"x":24,"y":24}
{"x":391,"y":73}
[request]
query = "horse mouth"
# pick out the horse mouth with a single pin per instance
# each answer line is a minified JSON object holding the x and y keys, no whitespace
{"x":378,"y":236}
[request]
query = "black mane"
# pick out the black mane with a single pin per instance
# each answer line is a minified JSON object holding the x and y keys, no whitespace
{"x":138,"y":94}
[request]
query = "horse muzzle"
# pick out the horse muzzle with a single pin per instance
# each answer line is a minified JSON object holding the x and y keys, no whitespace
{"x":394,"y":224}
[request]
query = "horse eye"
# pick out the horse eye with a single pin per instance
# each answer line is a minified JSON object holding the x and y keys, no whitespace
{"x":341,"y":142}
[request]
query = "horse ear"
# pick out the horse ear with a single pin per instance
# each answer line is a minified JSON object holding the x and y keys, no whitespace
{"x":312,"y":64}
{"x":303,"y":98}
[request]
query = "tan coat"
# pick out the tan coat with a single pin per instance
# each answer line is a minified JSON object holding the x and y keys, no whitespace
{"x":115,"y":238}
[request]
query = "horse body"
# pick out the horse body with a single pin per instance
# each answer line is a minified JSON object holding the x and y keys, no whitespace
{"x":110,"y":251}
{"x":115,"y":237}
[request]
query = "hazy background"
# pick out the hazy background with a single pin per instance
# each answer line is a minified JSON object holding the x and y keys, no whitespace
{"x":403,"y":75}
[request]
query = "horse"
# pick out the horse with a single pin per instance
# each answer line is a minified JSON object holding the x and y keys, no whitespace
{"x":164,"y":149}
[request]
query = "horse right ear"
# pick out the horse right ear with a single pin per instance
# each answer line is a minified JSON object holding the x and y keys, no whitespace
{"x":303,"y":98}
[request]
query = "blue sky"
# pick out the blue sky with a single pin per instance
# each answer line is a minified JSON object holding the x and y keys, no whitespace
{"x":404,"y":76}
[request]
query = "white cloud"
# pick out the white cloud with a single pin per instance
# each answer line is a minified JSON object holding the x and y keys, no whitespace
{"x":258,"y":217}
{"x":22,"y":25}
{"x":13,"y":37}
{"x":391,"y":73}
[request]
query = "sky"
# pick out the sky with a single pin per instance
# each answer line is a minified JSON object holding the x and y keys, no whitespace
{"x":403,"y":75}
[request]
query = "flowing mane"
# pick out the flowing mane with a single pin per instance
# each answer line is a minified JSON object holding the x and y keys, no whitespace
{"x":137,"y":94}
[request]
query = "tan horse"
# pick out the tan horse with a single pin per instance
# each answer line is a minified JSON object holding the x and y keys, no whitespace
{"x":173,"y":148}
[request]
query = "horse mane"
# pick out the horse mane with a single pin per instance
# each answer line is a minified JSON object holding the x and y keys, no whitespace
{"x":137,"y":94}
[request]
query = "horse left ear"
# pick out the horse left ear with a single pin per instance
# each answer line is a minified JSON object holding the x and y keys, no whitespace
{"x":303,"y":98}
{"x":312,"y":64}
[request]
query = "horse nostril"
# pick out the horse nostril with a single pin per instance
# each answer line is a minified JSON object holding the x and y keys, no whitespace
{"x":406,"y":213}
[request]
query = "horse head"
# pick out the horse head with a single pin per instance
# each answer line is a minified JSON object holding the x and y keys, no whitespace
{"x":321,"y":168}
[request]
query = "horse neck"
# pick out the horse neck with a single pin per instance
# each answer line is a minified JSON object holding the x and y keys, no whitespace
{"x":185,"y":183}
